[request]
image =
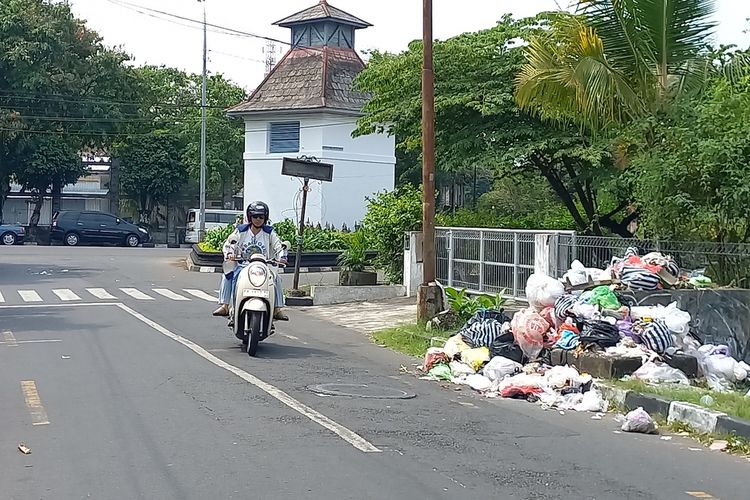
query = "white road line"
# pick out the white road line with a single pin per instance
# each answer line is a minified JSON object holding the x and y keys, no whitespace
{"x":200,"y":294}
{"x":16,"y":343}
{"x":136,"y":294}
{"x":10,"y":339}
{"x":100,"y":293}
{"x":346,"y":434}
{"x":66,"y":295}
{"x":29,"y":296}
{"x":2,"y":299}
{"x":165,"y":292}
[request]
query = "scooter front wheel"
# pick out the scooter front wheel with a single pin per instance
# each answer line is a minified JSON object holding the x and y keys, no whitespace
{"x":254,"y":326}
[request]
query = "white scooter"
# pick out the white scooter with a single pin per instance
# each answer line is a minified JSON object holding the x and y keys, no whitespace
{"x":254,"y":301}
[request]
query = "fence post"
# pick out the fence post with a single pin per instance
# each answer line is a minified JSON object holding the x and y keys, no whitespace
{"x":481,"y":261}
{"x":574,"y":248}
{"x":450,"y":257}
{"x":516,"y":262}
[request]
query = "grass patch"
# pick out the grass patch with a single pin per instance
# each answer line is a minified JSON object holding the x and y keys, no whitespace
{"x":731,"y":403}
{"x":411,"y":339}
{"x":736,"y":445}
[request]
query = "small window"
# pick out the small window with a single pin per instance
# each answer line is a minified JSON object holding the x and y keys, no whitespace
{"x":212,"y":217}
{"x":227,"y":218}
{"x":284,"y":137}
{"x":191,"y":217}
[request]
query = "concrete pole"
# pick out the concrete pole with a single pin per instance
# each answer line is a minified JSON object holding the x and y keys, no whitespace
{"x":202,"y":230}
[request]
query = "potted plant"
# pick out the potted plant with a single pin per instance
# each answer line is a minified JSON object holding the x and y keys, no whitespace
{"x":352,"y":263}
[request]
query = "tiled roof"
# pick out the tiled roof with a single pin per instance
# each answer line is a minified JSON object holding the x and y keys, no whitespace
{"x":306,"y":79}
{"x":322,"y":11}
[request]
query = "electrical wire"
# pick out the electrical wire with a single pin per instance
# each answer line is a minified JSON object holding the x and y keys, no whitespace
{"x":77,"y":100}
{"x":233,"y":31}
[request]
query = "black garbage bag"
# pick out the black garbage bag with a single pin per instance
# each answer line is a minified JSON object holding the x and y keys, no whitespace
{"x":599,"y":333}
{"x":506,"y":347}
{"x":484,"y":327}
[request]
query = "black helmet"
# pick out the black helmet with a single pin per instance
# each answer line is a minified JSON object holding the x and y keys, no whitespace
{"x":257,"y":208}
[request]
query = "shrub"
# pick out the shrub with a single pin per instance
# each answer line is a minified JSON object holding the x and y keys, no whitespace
{"x":215,"y":238}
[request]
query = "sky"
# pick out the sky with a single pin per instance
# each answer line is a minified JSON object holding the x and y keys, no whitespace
{"x":160,"y":40}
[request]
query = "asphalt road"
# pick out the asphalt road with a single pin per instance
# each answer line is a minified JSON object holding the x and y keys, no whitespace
{"x":130,"y":397}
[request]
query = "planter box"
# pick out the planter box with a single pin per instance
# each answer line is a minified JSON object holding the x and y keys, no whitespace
{"x":358,"y":278}
{"x":327,"y":295}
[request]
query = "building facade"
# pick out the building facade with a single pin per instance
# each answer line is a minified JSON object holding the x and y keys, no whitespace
{"x":307,"y":106}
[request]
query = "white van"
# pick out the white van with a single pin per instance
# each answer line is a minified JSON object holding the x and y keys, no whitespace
{"x":214,"y":218}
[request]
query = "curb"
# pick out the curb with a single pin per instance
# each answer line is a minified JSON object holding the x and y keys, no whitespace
{"x":699,"y":418}
{"x":211,"y":269}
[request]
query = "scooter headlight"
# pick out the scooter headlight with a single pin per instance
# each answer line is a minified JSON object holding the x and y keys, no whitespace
{"x":257,"y":275}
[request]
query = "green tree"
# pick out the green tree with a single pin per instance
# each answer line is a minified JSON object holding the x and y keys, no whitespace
{"x":151,"y":171}
{"x":47,"y":162}
{"x":57,"y":79}
{"x":479,"y":122}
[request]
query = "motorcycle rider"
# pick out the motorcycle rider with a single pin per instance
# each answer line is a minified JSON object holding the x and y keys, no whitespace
{"x":252,"y":238}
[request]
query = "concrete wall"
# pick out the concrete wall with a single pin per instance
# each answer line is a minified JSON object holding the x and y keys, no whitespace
{"x":362,"y":167}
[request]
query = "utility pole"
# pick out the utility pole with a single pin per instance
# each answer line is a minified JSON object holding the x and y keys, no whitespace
{"x":270,"y":60}
{"x":202,"y":230}
{"x":429,"y":297}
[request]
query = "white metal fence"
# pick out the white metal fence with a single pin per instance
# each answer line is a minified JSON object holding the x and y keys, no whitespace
{"x":493,"y":260}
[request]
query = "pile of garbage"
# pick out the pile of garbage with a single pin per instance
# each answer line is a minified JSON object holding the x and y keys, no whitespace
{"x":635,"y":272}
{"x":500,"y":356}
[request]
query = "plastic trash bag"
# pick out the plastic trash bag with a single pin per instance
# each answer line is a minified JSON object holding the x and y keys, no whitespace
{"x":454,"y":346}
{"x":579,"y":274}
{"x":542,"y":291}
{"x":529,"y":329}
{"x":558,"y":377}
{"x":677,"y":321}
{"x":719,"y":370}
{"x":521,"y":385}
{"x":592,"y":401}
{"x":441,"y":372}
{"x":459,"y":369}
{"x":601,"y":333}
{"x":660,"y":374}
{"x":506,"y":347}
{"x":432,"y":357}
{"x":476,"y":358}
{"x":604,"y":298}
{"x":499,"y":368}
{"x":478,"y":382}
{"x":639,"y":420}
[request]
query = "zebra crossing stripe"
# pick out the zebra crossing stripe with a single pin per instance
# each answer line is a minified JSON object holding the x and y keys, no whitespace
{"x":200,"y":294}
{"x":165,"y":292}
{"x":29,"y":296}
{"x":100,"y":293}
{"x":2,"y":299}
{"x":66,"y":295}
{"x":136,"y":294}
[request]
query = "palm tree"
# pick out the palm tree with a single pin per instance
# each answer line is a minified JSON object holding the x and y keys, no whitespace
{"x":616,"y":60}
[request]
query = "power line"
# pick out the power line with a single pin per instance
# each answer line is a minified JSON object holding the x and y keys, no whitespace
{"x":66,"y":99}
{"x":133,"y":6}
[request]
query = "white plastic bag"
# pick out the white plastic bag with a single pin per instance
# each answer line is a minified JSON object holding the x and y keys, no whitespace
{"x":499,"y":368}
{"x":660,"y":374}
{"x":677,"y":320}
{"x":542,"y":291}
{"x":592,"y":401}
{"x":458,"y":369}
{"x":561,"y":376}
{"x":578,"y":274}
{"x":639,"y":420}
{"x":478,"y":382}
{"x":719,"y":371}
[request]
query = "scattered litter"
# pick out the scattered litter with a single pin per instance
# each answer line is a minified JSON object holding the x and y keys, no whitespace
{"x":24,"y":449}
{"x":695,"y":449}
{"x":719,"y":445}
{"x":666,"y":438}
{"x":65,"y":357}
{"x":639,"y":421}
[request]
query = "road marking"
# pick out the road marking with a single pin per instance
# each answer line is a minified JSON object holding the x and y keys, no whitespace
{"x":34,"y":403}
{"x":136,"y":294}
{"x":2,"y":299}
{"x":701,"y":494}
{"x":10,"y":339}
{"x":200,"y":294}
{"x":347,"y":435}
{"x":100,"y":293}
{"x":66,"y":295}
{"x":18,"y":342}
{"x":29,"y":296}
{"x":165,"y":292}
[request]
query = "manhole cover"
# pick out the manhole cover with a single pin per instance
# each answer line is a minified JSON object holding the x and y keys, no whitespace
{"x":361,"y":391}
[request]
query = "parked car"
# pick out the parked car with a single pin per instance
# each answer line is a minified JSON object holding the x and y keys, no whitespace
{"x":214,"y":218}
{"x":74,"y":228}
{"x":12,"y":234}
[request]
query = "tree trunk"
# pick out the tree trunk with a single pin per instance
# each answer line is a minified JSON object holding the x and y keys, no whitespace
{"x":4,"y":190}
{"x":56,"y":197}
{"x":38,"y":203}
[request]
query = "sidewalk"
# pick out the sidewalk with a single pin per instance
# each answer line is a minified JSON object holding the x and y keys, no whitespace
{"x":367,"y":317}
